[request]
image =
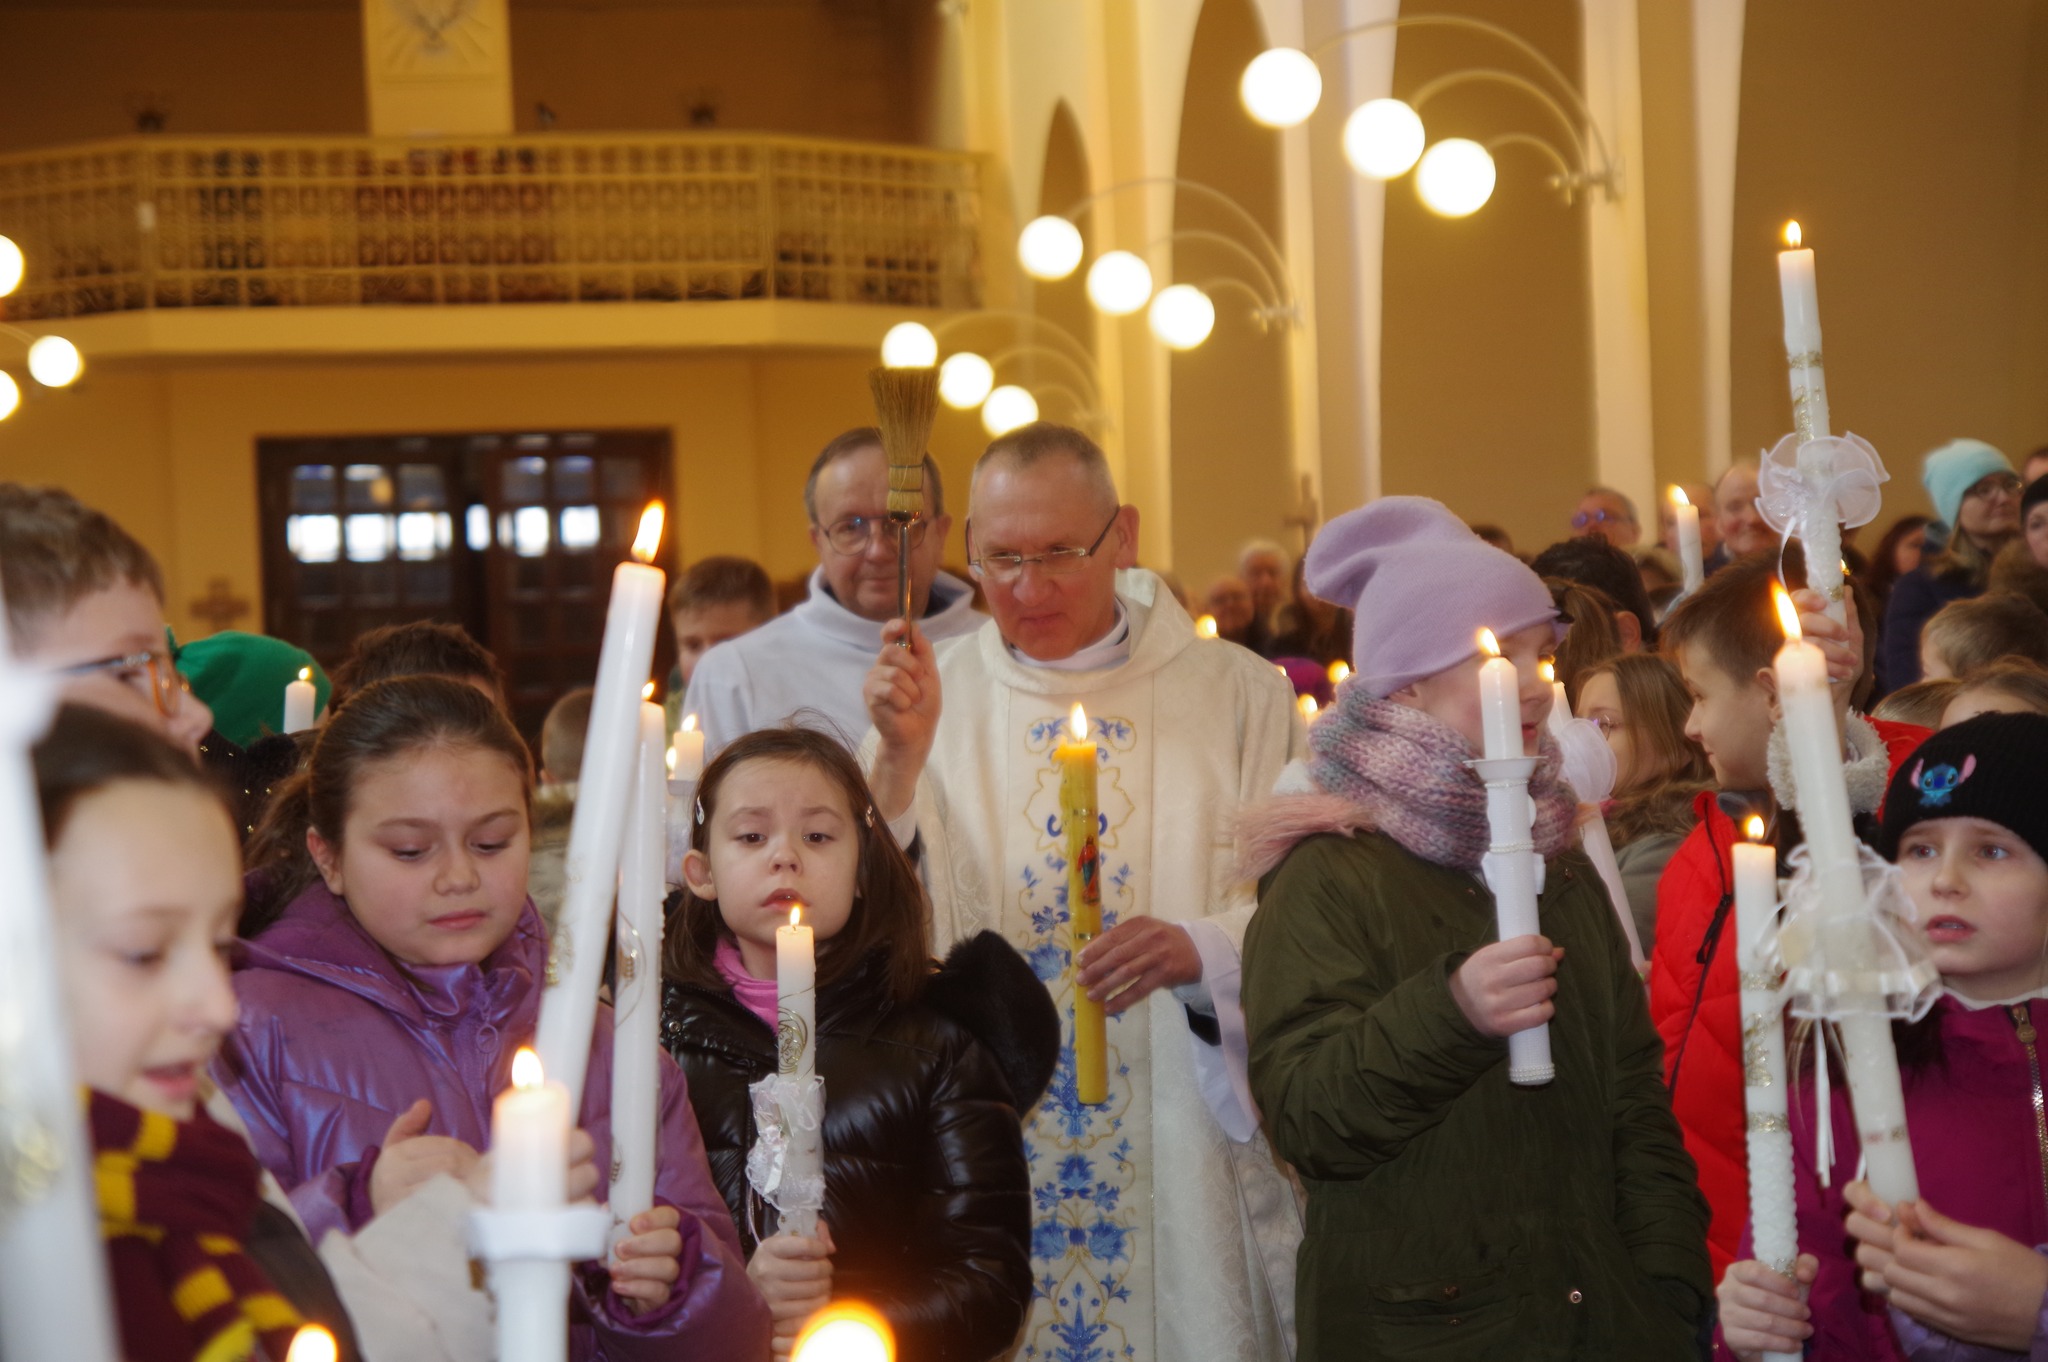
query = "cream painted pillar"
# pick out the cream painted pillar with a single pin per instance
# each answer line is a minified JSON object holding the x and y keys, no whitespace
{"x":438,"y":67}
{"x":1362,"y":69}
{"x":1617,"y":245}
{"x":1297,"y":245}
{"x":1717,"y":101}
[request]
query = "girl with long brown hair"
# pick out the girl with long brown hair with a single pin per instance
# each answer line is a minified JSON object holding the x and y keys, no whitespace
{"x":927,"y":1195}
{"x":1639,"y":702}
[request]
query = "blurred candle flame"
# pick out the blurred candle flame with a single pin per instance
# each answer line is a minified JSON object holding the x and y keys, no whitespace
{"x":1793,"y":236}
{"x":1788,"y":614}
{"x":649,"y":537}
{"x":1754,"y":829}
{"x":1488,"y":644}
{"x":526,"y":1070}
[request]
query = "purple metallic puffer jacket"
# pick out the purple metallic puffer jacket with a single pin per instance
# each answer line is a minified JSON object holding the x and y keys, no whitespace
{"x":335,"y":1041}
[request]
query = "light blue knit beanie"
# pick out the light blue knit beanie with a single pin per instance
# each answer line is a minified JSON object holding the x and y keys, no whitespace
{"x":1954,"y":469}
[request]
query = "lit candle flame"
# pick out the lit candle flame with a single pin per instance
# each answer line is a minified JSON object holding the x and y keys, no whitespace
{"x":1307,"y":705}
{"x":649,"y":537}
{"x":1545,"y":670}
{"x":306,"y":674}
{"x":647,"y":691}
{"x":1754,"y":829}
{"x":1340,"y":672}
{"x":1077,"y":723}
{"x":669,"y":759}
{"x":312,"y":1344}
{"x":1488,"y":644}
{"x":1205,"y":626}
{"x":1793,"y":235}
{"x":845,"y":1331}
{"x":689,"y":723}
{"x":526,"y":1071}
{"x":1788,"y":614}
{"x":1678,"y":496}
{"x":796,"y":915}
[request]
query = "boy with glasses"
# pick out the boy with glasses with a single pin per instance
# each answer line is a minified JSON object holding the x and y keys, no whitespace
{"x":812,"y":660}
{"x":86,"y":600}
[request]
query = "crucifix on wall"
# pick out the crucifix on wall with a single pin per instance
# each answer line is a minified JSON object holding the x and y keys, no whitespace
{"x":219,"y":607}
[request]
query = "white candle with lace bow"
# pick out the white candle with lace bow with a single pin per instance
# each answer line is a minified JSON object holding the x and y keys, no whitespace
{"x":636,"y":1011}
{"x":1772,"y":1209}
{"x":796,"y":1044}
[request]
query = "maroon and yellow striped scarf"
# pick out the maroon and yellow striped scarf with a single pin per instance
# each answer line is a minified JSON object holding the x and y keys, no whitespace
{"x":177,"y":1198}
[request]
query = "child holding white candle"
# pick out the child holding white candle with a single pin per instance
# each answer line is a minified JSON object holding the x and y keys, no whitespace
{"x":381,"y":1009}
{"x":927,"y":1197}
{"x":1723,"y":639}
{"x":1965,"y":1282}
{"x":1446,"y":1202}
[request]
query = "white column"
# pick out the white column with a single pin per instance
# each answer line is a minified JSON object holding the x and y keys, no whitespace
{"x":1717,"y":101}
{"x":1617,"y":245}
{"x":1297,"y":245}
{"x":1363,"y":69}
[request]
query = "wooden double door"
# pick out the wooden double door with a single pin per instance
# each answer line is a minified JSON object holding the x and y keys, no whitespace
{"x":513,"y":536}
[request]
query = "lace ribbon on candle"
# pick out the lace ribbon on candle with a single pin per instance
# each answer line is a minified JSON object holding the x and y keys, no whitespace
{"x":1870,"y":962}
{"x":1853,"y":472}
{"x":783,"y":1104}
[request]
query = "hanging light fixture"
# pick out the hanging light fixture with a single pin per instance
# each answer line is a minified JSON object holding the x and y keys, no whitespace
{"x":1049,"y":247}
{"x":1182,"y":316}
{"x":1007,"y":408}
{"x":965,"y":380}
{"x":11,"y":266}
{"x":910,"y":345}
{"x":54,"y":362}
{"x":1281,"y":87}
{"x":10,"y":394}
{"x":1455,"y":177}
{"x":1383,"y":138}
{"x":1119,"y":283}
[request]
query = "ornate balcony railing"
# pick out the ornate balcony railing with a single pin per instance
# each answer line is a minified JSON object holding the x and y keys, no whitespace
{"x":181,"y":222}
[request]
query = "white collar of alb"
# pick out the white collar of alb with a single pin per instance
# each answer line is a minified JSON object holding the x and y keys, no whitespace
{"x":1112,"y":649}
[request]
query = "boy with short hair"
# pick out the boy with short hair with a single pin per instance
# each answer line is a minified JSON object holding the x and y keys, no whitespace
{"x":554,"y":800}
{"x":86,"y":600}
{"x":717,"y":599}
{"x":1723,"y":639}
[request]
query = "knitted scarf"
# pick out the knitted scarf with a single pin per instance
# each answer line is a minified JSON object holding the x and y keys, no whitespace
{"x":177,"y":1198}
{"x":1387,"y":767}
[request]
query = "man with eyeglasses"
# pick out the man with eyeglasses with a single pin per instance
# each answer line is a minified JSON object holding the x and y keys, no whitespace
{"x":86,"y":600}
{"x":1191,"y":1230}
{"x":810,"y":662}
{"x":1606,"y":514}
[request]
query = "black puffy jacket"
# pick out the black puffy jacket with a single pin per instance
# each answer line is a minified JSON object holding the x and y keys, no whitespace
{"x":926,"y":1188}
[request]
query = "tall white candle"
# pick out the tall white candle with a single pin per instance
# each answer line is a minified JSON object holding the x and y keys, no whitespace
{"x":529,"y":1172}
{"x":636,"y":1011}
{"x":299,"y":699}
{"x":1772,"y":1209}
{"x":53,"y":1267}
{"x":1831,"y":846}
{"x":568,"y":1007}
{"x":1511,"y":860}
{"x":1801,"y":302}
{"x":796,"y":1044}
{"x":1692,"y":567}
{"x":686,"y":751}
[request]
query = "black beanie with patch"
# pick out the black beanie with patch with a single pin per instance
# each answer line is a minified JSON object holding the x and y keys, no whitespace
{"x":1993,"y":767}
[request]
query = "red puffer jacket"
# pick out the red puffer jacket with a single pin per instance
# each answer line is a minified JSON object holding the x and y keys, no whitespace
{"x":1700,"y":1018}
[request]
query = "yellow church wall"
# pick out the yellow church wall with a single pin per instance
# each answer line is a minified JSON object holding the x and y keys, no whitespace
{"x":169,"y":450}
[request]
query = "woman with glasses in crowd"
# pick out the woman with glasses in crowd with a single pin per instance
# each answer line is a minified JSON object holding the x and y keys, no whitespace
{"x":1976,"y":495}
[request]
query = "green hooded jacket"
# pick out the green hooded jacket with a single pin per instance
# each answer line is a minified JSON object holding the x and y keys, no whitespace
{"x":1452,"y":1214}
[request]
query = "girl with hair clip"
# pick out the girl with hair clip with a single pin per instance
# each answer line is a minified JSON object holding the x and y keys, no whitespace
{"x":926,"y":1070}
{"x":1958,"y":1275}
{"x":382,"y":1006}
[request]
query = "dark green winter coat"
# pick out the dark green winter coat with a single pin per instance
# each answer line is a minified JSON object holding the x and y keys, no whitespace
{"x":1450,"y":1213}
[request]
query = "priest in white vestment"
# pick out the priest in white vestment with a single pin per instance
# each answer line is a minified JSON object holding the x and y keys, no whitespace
{"x":1163,"y":1229}
{"x":812,"y":661}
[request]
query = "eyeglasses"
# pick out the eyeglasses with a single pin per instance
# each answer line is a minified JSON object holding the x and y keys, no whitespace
{"x":1991,"y":484}
{"x":1008,"y":567}
{"x":853,"y":534}
{"x":153,"y":673}
{"x":1587,"y":518}
{"x":1607,"y":724}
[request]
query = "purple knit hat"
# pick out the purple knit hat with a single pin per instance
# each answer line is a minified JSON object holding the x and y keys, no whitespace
{"x":1422,"y":586}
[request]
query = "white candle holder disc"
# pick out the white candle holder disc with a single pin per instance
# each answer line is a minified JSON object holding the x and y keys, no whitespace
{"x":1811,"y":490}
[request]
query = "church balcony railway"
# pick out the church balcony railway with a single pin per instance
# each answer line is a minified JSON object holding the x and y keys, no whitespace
{"x":215,"y":245}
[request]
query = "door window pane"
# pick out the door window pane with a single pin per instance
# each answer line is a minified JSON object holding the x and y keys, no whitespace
{"x":575,"y":477}
{"x":526,"y":480}
{"x":420,"y":487}
{"x":530,"y":531}
{"x":369,"y":538}
{"x":423,"y":535}
{"x":313,"y":487}
{"x":313,"y":538}
{"x":368,"y":486}
{"x":580,"y":526}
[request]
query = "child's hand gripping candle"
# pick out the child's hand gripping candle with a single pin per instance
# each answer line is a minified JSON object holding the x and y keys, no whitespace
{"x":1511,"y":862}
{"x":1843,"y":939}
{"x":529,"y":1172}
{"x":636,"y":1012}
{"x":1078,"y":761}
{"x":1772,"y":1215}
{"x":796,"y":1050}
{"x":568,"y":1009}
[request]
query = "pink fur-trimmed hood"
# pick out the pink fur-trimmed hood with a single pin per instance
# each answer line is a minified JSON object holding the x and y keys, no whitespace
{"x":1267,"y":831}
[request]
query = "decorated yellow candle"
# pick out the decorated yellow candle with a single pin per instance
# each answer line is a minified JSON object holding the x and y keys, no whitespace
{"x":1077,"y":761}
